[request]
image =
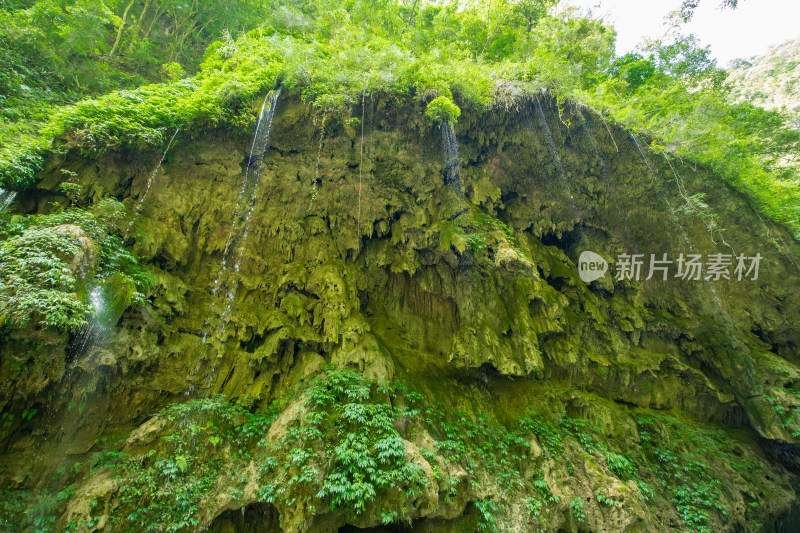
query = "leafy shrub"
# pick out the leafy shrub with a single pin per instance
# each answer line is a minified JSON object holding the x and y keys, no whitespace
{"x":39,"y":285}
{"x":345,"y":447}
{"x":36,"y":282}
{"x":162,"y":489}
{"x":486,"y":516}
{"x":350,"y":419}
{"x":442,"y":110}
{"x":576,"y":504}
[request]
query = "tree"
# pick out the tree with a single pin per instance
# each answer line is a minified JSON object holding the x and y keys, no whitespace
{"x":688,"y":7}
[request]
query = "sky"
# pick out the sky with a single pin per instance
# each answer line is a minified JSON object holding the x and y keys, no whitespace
{"x":743,"y":32}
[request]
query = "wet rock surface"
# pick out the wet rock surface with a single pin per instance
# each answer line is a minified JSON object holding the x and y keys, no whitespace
{"x":472,"y":300}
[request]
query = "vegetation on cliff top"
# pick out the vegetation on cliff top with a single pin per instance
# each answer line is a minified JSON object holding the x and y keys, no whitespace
{"x":484,"y":54}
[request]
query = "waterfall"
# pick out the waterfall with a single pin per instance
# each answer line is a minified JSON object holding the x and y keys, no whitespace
{"x":262,"y":146}
{"x":94,"y":331}
{"x":6,"y":197}
{"x":95,"y":328}
{"x":662,"y":193}
{"x":551,"y":147}
{"x":452,"y":166}
{"x":360,"y":167}
{"x":593,"y":143}
{"x":149,"y":184}
{"x":316,"y":168}
{"x":244,"y":210}
{"x":598,"y":153}
{"x":674,"y":216}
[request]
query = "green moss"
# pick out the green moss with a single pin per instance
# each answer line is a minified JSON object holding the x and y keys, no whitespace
{"x":417,"y":302}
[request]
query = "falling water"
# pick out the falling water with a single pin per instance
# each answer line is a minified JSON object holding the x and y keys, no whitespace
{"x":661,"y":191}
{"x":6,"y":197}
{"x":316,"y":168}
{"x":672,"y":212}
{"x":360,"y":166}
{"x":598,"y":153}
{"x":551,"y":147}
{"x":149,"y":184}
{"x":95,"y":328}
{"x":593,"y":143}
{"x":241,"y":217}
{"x":452,"y":166}
{"x":685,"y":195}
{"x":237,"y":263}
{"x":606,"y":177}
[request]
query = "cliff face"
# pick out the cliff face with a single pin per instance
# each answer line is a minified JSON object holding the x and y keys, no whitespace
{"x":394,"y":352}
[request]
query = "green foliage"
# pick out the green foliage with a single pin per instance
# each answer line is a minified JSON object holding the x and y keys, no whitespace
{"x":46,"y":272}
{"x":566,"y":52}
{"x":476,"y":444}
{"x":351,"y":421}
{"x":161,"y":490}
{"x":547,"y":433}
{"x":71,"y":191}
{"x":476,"y":242}
{"x":608,"y":501}
{"x":19,"y":163}
{"x":442,"y":110}
{"x":576,"y":505}
{"x":646,"y":490}
{"x":495,"y":53}
{"x":30,"y":510}
{"x":543,"y":497}
{"x":486,"y":515}
{"x":694,"y":489}
{"x":676,"y":95}
{"x":59,"y":51}
{"x":634,"y":69}
{"x":620,"y":465}
{"x":342,"y":449}
{"x":37,"y":283}
{"x":338,"y":444}
{"x":485,"y":231}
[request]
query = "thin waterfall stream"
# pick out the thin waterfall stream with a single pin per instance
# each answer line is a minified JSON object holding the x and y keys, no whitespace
{"x":598,"y":153}
{"x":244,"y":210}
{"x":360,"y":168}
{"x":90,"y":333}
{"x":551,"y":146}
{"x":99,"y":325}
{"x":674,"y":215}
{"x":141,"y":200}
{"x":256,"y":161}
{"x":452,"y":170}
{"x":6,"y":198}
{"x":662,"y":193}
{"x":315,"y":181}
{"x":606,"y":175}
